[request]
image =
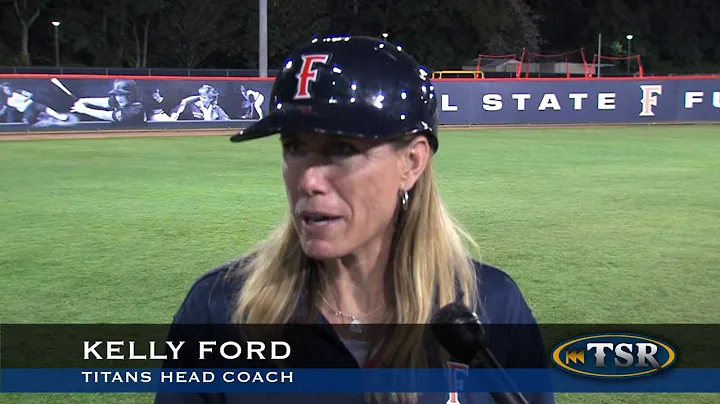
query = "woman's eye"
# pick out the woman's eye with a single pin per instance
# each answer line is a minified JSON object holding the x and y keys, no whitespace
{"x":291,"y":148}
{"x":334,"y":150}
{"x":343,"y":149}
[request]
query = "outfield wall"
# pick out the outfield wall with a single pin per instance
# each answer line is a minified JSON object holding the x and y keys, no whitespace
{"x":240,"y":101}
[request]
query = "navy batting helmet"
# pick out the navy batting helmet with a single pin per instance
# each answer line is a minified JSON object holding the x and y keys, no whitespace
{"x":124,"y":87}
{"x":350,"y":86}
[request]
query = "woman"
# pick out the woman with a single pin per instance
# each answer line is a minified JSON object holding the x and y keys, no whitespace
{"x":252,"y":104}
{"x":367,"y":239}
{"x":207,"y":108}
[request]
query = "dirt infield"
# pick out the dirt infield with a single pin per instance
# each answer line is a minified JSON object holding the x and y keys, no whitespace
{"x":35,"y":135}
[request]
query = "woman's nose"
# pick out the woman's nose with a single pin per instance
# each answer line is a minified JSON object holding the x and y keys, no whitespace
{"x":312,"y":176}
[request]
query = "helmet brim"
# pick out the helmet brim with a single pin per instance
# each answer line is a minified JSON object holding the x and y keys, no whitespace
{"x":335,"y":119}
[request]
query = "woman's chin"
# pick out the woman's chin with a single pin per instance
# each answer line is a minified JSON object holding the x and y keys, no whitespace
{"x":322,"y":249}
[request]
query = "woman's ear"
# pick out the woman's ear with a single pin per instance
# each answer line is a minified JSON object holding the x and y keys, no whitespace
{"x":414,"y":158}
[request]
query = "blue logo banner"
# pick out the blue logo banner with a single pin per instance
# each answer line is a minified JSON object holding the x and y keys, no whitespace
{"x":537,"y":101}
{"x":91,"y":103}
{"x":678,"y":380}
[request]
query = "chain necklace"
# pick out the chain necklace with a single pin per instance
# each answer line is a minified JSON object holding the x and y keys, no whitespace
{"x":356,"y":326}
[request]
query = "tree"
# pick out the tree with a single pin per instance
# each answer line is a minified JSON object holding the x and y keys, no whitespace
{"x":291,"y":24}
{"x":516,"y":28}
{"x":27,"y":11}
{"x":192,"y":30}
{"x":144,"y":12}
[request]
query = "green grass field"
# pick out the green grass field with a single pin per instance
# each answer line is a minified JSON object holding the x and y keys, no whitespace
{"x":615,"y":225}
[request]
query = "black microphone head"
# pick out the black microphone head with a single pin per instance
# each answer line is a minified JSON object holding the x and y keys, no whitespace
{"x":459,"y":331}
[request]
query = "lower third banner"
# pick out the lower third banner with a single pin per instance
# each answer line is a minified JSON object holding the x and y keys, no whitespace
{"x":345,"y":381}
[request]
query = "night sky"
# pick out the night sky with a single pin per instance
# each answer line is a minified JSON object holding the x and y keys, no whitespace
{"x":671,"y":36}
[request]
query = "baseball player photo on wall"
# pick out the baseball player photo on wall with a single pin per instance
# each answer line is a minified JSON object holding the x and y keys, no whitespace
{"x":21,"y":106}
{"x":203,"y":106}
{"x":102,"y":102}
{"x":122,"y":105}
{"x":252,"y":103}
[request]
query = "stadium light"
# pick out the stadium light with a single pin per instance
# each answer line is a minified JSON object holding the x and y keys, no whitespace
{"x":385,"y":35}
{"x":56,"y":24}
{"x":629,"y":38}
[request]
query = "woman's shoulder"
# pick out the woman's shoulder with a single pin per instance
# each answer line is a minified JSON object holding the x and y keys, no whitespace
{"x":500,"y":298}
{"x":212,"y":295}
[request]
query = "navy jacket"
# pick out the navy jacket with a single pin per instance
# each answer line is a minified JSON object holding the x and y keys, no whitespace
{"x":516,"y":343}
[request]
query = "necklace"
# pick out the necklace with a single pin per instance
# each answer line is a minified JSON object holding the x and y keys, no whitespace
{"x":356,"y":326}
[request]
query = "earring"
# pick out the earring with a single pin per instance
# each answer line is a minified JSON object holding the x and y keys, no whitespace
{"x":404,"y":200}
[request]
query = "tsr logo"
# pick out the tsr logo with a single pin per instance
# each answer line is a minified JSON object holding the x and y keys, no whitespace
{"x":614,"y":355}
{"x":574,"y":357}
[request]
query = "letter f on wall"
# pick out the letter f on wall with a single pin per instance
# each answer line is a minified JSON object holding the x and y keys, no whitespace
{"x":649,"y":98}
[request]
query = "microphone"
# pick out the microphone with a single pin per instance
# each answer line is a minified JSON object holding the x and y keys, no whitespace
{"x":461,"y":333}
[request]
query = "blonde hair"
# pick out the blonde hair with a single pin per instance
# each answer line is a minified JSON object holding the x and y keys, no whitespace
{"x":430,"y":266}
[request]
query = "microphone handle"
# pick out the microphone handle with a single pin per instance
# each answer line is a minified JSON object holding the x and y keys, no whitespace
{"x":485,"y":359}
